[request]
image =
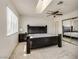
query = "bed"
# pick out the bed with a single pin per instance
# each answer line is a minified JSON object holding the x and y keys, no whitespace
{"x":69,"y":32}
{"x":38,"y":37}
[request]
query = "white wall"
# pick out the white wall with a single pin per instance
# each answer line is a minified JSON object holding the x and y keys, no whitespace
{"x":7,"y":43}
{"x":33,"y":20}
{"x":54,"y":24}
{"x":65,"y":16}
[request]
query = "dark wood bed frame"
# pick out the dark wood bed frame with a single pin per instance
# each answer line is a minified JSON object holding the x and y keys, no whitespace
{"x":33,"y":43}
{"x":36,"y":29}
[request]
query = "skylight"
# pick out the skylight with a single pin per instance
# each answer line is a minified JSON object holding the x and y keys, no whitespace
{"x":42,"y":4}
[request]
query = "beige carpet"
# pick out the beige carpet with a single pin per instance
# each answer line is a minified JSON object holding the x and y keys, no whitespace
{"x":70,"y":40}
{"x":68,"y":51}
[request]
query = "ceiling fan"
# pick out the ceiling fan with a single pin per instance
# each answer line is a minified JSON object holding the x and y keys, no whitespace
{"x":54,"y":13}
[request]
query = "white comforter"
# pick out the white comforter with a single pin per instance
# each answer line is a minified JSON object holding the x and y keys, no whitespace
{"x":41,"y":35}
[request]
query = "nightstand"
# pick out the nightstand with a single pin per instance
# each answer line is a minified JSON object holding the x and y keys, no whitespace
{"x":22,"y":37}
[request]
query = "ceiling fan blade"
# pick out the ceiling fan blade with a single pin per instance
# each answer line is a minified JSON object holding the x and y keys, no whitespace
{"x":56,"y":12}
{"x":60,"y":2}
{"x":59,"y":14}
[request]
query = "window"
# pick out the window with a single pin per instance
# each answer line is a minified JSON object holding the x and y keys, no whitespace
{"x":12,"y":22}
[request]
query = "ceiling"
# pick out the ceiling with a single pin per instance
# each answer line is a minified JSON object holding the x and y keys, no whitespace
{"x":25,"y":7}
{"x":28,"y":7}
{"x":67,"y":6}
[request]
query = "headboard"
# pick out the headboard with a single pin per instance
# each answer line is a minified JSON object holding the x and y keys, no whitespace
{"x":36,"y":29}
{"x":67,"y":29}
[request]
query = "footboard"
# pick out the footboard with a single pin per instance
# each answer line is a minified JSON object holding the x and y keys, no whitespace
{"x":43,"y":42}
{"x":33,"y":43}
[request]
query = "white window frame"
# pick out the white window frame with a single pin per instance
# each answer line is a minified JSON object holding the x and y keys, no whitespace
{"x":12,"y":22}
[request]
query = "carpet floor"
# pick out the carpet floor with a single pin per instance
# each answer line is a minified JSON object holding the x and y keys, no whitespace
{"x":67,"y":51}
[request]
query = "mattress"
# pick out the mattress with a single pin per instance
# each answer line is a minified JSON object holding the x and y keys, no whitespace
{"x":72,"y":34}
{"x":41,"y":35}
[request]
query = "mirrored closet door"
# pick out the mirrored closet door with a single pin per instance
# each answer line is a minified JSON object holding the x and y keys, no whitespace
{"x":70,"y":30}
